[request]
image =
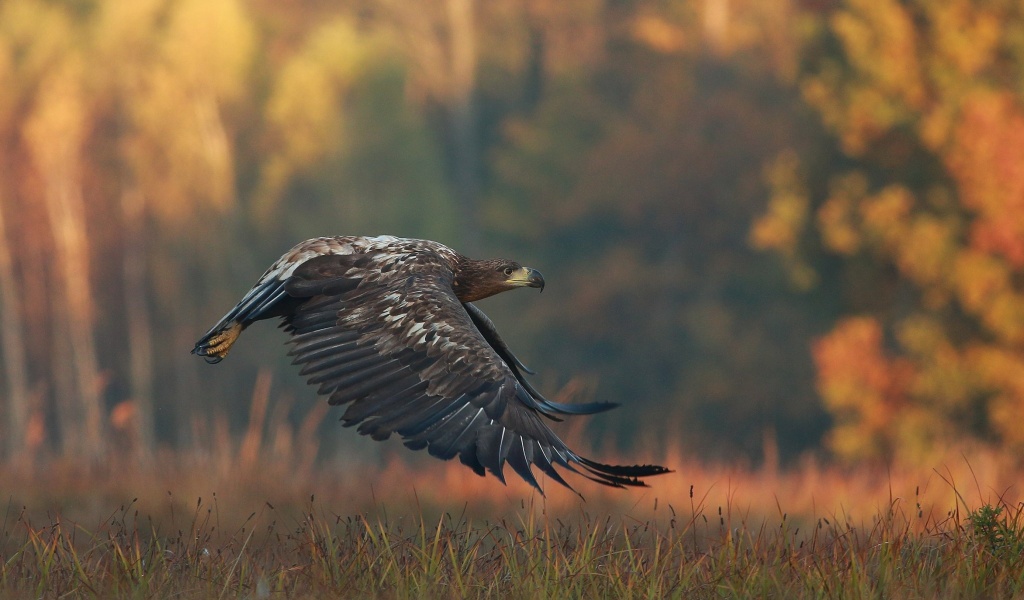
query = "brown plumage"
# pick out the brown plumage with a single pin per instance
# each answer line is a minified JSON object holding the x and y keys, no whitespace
{"x":386,"y":326}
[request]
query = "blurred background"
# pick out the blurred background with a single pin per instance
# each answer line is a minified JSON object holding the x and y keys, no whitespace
{"x":769,"y":229}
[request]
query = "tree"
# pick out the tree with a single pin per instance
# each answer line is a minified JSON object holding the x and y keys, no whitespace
{"x":189,"y":59}
{"x":923,"y":215}
{"x":54,"y":133}
{"x":635,"y":180}
{"x":439,"y":39}
{"x":12,"y":338}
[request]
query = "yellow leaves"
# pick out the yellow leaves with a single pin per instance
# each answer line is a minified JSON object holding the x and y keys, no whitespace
{"x":836,"y":216}
{"x":154,"y":76}
{"x":59,"y":119}
{"x":881,"y":41}
{"x":979,"y":279}
{"x":925,"y":251}
{"x":784,"y":222}
{"x":886,"y":212}
{"x":39,"y":35}
{"x":306,"y":100}
{"x":1005,"y":318}
{"x":851,"y":218}
{"x":965,"y":35}
{"x":787,"y":209}
{"x":1001,"y":373}
{"x":887,"y":403}
{"x":179,"y":67}
{"x":886,"y":86}
{"x":209,"y":44}
{"x":123,"y":38}
{"x":942,"y":381}
{"x":305,"y":109}
{"x":920,"y":244}
{"x":985,"y":289}
{"x":779,"y":227}
{"x":659,"y":34}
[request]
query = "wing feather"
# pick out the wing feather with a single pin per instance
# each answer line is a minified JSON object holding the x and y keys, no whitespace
{"x":407,"y":391}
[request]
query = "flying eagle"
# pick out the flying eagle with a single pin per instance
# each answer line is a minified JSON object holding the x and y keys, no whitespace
{"x":387,"y":326}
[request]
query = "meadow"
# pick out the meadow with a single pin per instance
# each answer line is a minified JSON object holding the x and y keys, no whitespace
{"x":228,"y":524}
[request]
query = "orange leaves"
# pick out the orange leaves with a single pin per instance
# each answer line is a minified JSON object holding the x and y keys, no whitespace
{"x":851,"y":362}
{"x":861,"y":386}
{"x":987,"y":161}
{"x":934,"y":205}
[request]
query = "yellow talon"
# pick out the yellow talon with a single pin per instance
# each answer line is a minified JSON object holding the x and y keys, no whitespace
{"x":220,"y":344}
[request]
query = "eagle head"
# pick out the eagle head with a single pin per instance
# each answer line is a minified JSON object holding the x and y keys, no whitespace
{"x":479,"y":279}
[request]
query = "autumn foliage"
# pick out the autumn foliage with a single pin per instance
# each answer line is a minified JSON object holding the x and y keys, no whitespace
{"x":783,"y":227}
{"x":925,"y":220}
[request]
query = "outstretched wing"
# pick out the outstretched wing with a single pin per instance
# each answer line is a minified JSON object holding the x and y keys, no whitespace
{"x":384,"y":333}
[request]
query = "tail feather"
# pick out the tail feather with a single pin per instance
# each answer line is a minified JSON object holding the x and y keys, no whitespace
{"x":620,"y":475}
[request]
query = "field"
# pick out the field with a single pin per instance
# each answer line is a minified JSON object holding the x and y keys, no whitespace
{"x":232,"y":525}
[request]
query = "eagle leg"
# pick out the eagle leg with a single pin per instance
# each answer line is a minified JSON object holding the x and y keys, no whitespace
{"x":216,"y":346}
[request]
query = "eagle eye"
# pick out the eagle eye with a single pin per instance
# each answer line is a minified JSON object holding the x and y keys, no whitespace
{"x":508,"y":271}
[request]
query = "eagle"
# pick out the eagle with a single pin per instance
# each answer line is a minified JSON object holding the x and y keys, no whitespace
{"x":388,"y":327}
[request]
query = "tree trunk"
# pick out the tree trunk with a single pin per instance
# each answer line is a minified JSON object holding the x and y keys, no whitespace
{"x":66,"y":208}
{"x":140,"y":333}
{"x":462,"y":112}
{"x":55,"y":133}
{"x":13,"y":341}
{"x":441,"y":40}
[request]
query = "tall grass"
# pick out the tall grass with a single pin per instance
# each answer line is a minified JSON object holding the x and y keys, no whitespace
{"x":258,"y":518}
{"x":423,"y":531}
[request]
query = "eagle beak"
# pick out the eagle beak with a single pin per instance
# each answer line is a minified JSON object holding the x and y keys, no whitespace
{"x":527,"y":277}
{"x":536,"y":279}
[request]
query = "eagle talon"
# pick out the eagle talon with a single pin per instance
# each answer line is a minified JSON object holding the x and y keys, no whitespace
{"x":218,"y":345}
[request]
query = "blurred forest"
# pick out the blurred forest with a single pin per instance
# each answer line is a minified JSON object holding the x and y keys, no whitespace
{"x":767,"y":227}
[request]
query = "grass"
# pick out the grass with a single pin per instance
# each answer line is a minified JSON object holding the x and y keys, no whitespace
{"x":704,"y":532}
{"x":260,"y":518}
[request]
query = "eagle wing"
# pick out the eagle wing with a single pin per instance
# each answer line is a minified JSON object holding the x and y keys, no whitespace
{"x":383,"y":333}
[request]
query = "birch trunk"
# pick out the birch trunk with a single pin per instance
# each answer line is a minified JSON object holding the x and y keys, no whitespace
{"x":140,"y":333}
{"x":55,"y":133}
